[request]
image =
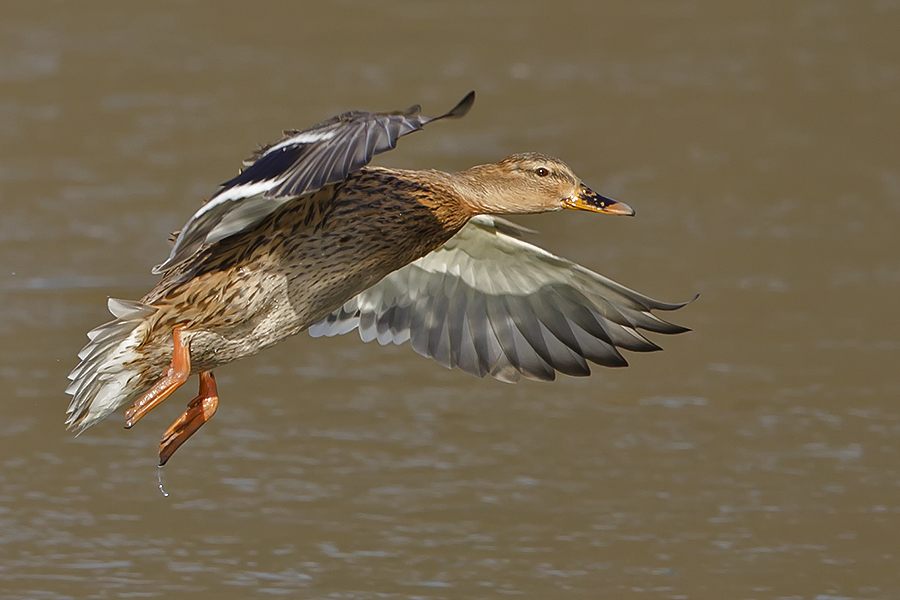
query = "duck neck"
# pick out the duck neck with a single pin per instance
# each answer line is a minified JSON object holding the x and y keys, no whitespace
{"x":482,"y":191}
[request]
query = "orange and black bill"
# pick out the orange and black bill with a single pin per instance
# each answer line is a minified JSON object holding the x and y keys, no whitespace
{"x":588,"y":199}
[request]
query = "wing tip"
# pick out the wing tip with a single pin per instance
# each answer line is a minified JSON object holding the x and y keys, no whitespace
{"x":461,"y":109}
{"x":674,"y":305}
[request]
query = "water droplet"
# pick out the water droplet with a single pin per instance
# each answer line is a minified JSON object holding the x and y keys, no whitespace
{"x":162,"y":490}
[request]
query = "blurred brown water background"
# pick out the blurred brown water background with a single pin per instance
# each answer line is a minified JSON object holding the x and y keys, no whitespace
{"x":756,"y":457}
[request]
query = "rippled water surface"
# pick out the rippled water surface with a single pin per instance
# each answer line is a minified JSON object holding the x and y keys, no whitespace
{"x":757,"y":457}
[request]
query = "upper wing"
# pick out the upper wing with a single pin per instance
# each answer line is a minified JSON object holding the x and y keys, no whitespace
{"x":490,"y":303}
{"x":303,"y":162}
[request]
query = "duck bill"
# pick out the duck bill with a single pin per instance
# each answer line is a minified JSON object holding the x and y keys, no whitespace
{"x":588,"y":199}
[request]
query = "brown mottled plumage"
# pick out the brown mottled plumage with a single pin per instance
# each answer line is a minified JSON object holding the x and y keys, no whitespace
{"x":302,"y":262}
{"x":310,"y":236}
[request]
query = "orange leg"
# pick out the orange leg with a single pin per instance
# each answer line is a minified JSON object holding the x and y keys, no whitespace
{"x":199,"y":411}
{"x":178,"y":373}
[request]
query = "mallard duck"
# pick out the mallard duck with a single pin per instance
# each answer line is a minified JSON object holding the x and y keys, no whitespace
{"x":308,"y":236}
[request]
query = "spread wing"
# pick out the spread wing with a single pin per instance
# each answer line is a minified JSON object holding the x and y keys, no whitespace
{"x":303,"y":162}
{"x":490,"y":303}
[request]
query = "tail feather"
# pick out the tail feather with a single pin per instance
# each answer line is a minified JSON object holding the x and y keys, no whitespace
{"x":108,"y":375}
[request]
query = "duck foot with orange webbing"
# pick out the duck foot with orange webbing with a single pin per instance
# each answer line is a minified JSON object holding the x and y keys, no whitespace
{"x":199,"y":410}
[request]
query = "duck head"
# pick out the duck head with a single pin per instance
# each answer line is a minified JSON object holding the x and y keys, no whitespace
{"x":531,"y":183}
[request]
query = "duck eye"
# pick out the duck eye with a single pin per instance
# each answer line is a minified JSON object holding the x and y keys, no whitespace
{"x":541,"y":172}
